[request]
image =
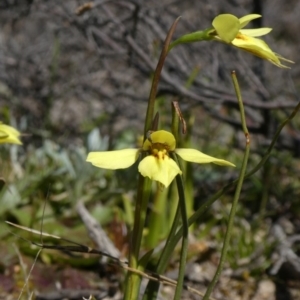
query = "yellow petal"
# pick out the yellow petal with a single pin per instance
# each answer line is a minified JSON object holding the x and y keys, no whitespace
{"x":161,"y":137}
{"x":227,"y":27}
{"x":3,"y":135}
{"x":246,"y":19}
{"x":256,"y":32}
{"x":118,"y":159}
{"x":193,"y":155}
{"x":259,"y":48}
{"x":243,"y":41}
{"x":9,"y":134}
{"x":161,"y":170}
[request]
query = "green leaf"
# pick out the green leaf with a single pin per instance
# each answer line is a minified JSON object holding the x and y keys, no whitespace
{"x":227,"y":26}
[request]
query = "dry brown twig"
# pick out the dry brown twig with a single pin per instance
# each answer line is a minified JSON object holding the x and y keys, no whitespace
{"x":114,"y":260}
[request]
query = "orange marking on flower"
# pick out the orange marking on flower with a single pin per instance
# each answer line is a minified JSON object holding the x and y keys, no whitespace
{"x":242,"y":37}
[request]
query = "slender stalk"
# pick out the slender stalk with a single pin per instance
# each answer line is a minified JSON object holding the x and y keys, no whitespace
{"x":185,"y":236}
{"x":175,"y":120}
{"x":133,"y":280}
{"x":188,"y":168}
{"x":155,"y":80}
{"x":157,"y":219}
{"x":267,"y":174}
{"x":176,"y":116}
{"x":236,"y":195}
{"x":193,"y":37}
{"x":173,"y":200}
{"x":153,"y":286}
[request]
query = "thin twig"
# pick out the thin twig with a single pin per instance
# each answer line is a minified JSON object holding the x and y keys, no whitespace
{"x":96,"y":233}
{"x":116,"y":261}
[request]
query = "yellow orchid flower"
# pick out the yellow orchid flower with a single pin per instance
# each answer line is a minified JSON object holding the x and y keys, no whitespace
{"x":9,"y":135}
{"x":157,"y":164}
{"x":228,"y":29}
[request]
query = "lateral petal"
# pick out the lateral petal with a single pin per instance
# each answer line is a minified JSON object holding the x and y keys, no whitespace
{"x":256,"y":32}
{"x":246,"y":19}
{"x":193,"y":155}
{"x":117,"y":159}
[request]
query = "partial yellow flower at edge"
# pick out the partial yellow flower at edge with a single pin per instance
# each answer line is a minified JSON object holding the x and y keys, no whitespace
{"x":9,"y":135}
{"x":229,"y":30}
{"x":157,"y":165}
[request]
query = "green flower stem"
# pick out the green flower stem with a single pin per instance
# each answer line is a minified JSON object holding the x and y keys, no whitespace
{"x":164,"y":258}
{"x":267,"y":175}
{"x":157,"y":218}
{"x":175,"y":120}
{"x":173,"y":218}
{"x":236,"y":194}
{"x":176,"y":115}
{"x":188,"y":167}
{"x":189,"y":189}
{"x":127,"y":204}
{"x":133,"y":280}
{"x":174,"y":206}
{"x":191,"y":79}
{"x":155,"y":80}
{"x":153,"y":286}
{"x":185,"y":236}
{"x":193,"y":37}
{"x":241,"y":106}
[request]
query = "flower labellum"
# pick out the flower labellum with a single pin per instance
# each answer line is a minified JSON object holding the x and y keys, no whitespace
{"x":158,"y":165}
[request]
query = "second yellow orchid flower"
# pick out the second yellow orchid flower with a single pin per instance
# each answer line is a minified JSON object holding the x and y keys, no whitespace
{"x":229,"y":29}
{"x":157,"y":164}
